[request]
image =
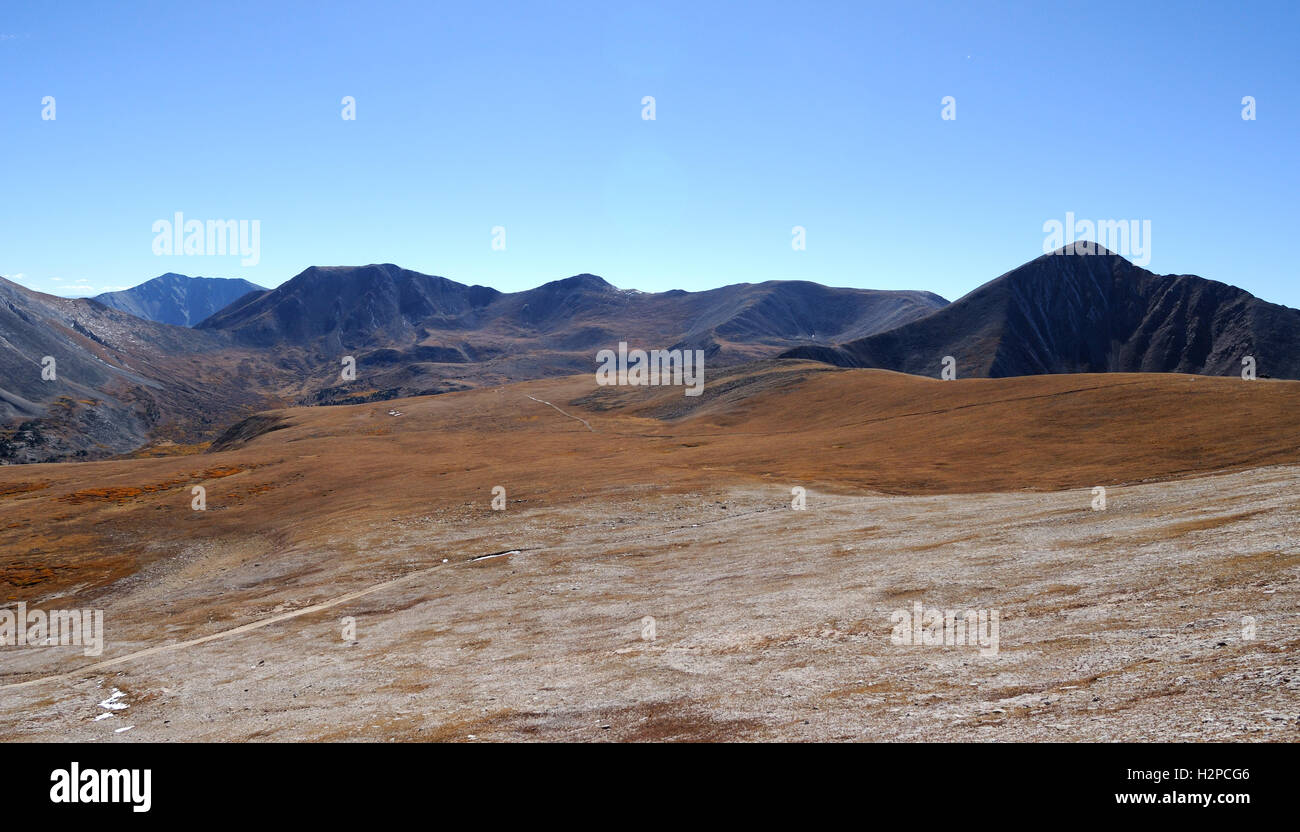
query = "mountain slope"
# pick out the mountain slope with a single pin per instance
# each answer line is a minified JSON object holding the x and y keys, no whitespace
{"x":119,"y":380}
{"x":177,"y":299}
{"x":1070,"y":312}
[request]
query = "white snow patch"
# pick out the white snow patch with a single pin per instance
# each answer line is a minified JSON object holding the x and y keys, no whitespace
{"x":112,"y":703}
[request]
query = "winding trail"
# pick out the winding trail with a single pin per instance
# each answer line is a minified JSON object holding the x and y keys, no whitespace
{"x":570,"y":415}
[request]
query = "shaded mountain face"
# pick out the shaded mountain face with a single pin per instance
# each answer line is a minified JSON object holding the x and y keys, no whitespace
{"x":1070,"y":312}
{"x":412,"y":333}
{"x":177,"y":299}
{"x":81,"y":380}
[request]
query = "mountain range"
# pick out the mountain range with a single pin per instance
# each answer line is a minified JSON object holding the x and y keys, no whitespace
{"x":418,"y":333}
{"x":125,"y":381}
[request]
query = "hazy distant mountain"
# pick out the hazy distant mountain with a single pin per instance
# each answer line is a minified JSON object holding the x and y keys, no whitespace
{"x":178,"y":299}
{"x":1081,"y":313}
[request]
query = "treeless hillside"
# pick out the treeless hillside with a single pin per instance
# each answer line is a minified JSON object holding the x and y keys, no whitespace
{"x":311,"y":478}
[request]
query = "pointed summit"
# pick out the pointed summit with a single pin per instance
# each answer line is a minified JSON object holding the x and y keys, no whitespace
{"x":1069,"y":312}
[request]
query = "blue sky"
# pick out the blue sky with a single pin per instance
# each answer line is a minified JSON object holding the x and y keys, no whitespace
{"x":528,"y":116}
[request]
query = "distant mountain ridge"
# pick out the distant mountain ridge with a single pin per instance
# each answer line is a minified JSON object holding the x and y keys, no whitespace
{"x":178,"y":299}
{"x":1070,"y":312}
{"x":360,"y":306}
{"x":124,"y":382}
{"x":421,"y":333}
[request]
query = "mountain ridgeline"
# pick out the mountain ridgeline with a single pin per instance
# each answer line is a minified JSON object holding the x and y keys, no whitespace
{"x":125,"y":381}
{"x":417,"y":333}
{"x":384,"y":305}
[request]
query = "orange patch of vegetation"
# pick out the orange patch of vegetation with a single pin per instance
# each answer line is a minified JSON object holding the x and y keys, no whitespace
{"x":12,"y":488}
{"x":81,"y":562}
{"x":24,"y":576}
{"x":219,"y":472}
{"x":119,"y":494}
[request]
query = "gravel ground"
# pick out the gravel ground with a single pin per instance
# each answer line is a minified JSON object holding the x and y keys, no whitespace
{"x":1131,"y":623}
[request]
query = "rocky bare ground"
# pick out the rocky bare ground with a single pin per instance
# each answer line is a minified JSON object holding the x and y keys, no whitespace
{"x":771,"y":623}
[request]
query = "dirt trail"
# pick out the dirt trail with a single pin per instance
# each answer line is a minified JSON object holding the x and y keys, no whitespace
{"x":570,"y":415}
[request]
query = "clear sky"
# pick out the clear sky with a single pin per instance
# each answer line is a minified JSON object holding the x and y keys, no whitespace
{"x":529,"y":116}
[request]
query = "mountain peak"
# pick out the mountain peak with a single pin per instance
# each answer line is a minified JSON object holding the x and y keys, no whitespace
{"x":1083,"y":248}
{"x":581,"y":281}
{"x":178,"y":299}
{"x":1086,"y":313}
